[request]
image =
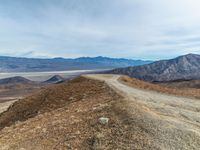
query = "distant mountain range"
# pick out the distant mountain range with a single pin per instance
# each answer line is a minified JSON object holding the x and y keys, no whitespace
{"x":15,"y":64}
{"x":185,"y":67}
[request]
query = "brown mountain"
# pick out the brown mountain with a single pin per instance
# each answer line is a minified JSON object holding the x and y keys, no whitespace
{"x":185,"y":67}
{"x":55,"y":79}
{"x":15,"y":80}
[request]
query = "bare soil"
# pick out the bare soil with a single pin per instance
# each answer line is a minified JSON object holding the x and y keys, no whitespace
{"x":172,"y":122}
{"x":66,"y":116}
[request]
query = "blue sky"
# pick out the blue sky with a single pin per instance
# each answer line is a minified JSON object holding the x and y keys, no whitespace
{"x":140,"y":29}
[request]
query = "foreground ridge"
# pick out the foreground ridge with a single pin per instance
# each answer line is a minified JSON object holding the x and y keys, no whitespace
{"x":101,"y":112}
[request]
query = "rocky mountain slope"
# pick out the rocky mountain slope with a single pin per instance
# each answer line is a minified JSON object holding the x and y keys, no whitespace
{"x":55,"y":79}
{"x":14,"y":64}
{"x":185,"y":67}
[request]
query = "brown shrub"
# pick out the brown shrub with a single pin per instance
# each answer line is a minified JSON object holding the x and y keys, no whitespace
{"x":190,"y":92}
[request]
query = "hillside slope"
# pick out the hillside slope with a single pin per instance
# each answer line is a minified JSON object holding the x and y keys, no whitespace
{"x":15,"y":88}
{"x":184,"y":84}
{"x":67,"y":116}
{"x":184,"y":67}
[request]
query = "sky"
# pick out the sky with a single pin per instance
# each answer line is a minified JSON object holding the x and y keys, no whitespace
{"x":138,"y":29}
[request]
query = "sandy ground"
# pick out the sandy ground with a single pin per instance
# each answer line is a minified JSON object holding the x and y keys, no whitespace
{"x":4,"y":106}
{"x":173,"y":122}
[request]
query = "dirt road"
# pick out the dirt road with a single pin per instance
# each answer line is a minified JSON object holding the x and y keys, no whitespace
{"x":172,"y":122}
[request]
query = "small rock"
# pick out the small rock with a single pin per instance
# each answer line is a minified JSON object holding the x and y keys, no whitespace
{"x":71,"y":98}
{"x":103,"y":120}
{"x":44,"y":130}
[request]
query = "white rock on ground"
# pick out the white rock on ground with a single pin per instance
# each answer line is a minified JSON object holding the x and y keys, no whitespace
{"x":103,"y":120}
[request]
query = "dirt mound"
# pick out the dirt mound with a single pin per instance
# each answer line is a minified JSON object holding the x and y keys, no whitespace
{"x":66,"y":116}
{"x":49,"y":99}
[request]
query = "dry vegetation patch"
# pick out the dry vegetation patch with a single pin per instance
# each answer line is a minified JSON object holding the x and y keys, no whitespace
{"x":189,"y":92}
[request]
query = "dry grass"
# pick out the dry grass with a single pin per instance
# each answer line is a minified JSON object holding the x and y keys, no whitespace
{"x":190,"y":84}
{"x":189,"y":92}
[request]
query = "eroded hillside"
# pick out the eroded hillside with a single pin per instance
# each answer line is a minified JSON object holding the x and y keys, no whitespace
{"x":102,"y":112}
{"x":66,"y":116}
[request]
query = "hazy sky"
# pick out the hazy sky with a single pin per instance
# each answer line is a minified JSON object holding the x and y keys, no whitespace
{"x":146,"y":29}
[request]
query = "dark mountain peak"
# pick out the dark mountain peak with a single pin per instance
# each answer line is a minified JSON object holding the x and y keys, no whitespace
{"x":188,"y":61}
{"x":188,"y":56}
{"x":191,"y":55}
{"x":55,"y":79}
{"x":15,"y":80}
{"x":185,"y":67}
{"x":58,"y":58}
{"x":93,"y":58}
{"x":100,"y":57}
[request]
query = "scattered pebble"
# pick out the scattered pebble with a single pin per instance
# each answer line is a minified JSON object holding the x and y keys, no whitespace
{"x":103,"y":120}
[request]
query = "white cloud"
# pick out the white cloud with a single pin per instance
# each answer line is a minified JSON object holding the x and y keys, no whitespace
{"x":152,"y":29}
